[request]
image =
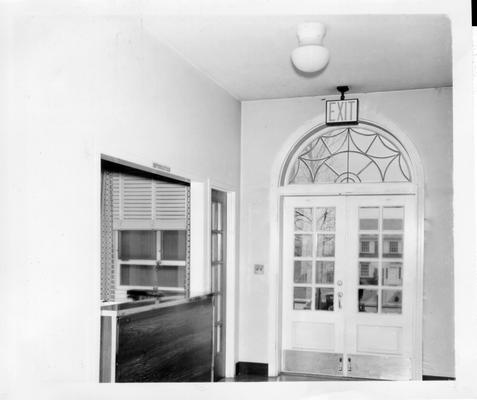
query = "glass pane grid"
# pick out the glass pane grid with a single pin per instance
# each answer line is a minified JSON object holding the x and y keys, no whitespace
{"x":313,"y":280}
{"x":380,"y":274}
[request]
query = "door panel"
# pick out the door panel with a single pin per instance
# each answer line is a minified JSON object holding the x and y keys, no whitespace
{"x":380,"y":285}
{"x":349,"y":268}
{"x":313,"y":335}
{"x":314,"y":328}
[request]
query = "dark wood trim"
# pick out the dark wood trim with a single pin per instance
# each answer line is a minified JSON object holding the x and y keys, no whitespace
{"x":137,"y":169}
{"x":251,"y":368}
{"x":437,"y":378}
{"x":169,"y":344}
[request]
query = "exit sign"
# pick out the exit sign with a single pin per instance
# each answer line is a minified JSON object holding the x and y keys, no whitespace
{"x":342,"y":112}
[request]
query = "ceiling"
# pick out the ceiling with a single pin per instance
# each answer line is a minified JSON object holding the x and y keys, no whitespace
{"x":250,"y":56}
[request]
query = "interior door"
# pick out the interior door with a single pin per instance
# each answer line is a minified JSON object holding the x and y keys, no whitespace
{"x":313,"y":273}
{"x":349,"y":285}
{"x":218,"y":270}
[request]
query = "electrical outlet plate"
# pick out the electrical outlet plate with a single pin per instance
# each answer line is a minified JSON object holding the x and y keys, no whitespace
{"x":258,"y":269}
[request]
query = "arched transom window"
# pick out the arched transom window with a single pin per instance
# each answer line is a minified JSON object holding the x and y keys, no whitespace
{"x":363,"y":153}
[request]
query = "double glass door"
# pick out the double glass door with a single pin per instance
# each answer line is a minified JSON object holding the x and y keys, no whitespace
{"x":349,"y":286}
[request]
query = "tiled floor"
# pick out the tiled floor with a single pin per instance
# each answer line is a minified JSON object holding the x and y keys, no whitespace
{"x":286,"y":378}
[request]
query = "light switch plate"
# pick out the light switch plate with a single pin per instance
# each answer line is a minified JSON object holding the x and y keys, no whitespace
{"x":258,"y":269}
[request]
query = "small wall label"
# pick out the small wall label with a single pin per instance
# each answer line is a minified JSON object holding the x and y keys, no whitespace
{"x":342,"y":112}
{"x":161,"y":167}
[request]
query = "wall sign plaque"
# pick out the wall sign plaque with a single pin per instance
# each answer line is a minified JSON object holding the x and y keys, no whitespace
{"x":342,"y":112}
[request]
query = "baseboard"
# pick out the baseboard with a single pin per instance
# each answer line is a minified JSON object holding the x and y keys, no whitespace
{"x":437,"y":378}
{"x":251,"y":368}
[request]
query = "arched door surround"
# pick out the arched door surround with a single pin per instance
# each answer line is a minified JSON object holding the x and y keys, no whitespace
{"x":332,"y":165}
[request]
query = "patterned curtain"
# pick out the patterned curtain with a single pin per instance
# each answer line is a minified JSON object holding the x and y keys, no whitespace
{"x":107,"y":255}
{"x":187,"y":271}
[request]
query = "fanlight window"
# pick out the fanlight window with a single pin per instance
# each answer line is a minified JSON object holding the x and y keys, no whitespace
{"x":348,"y":155}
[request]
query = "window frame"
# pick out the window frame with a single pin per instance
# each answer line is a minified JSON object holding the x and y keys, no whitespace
{"x":151,"y":263}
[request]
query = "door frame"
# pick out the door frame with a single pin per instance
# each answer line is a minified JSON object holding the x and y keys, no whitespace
{"x":231,"y":277}
{"x":305,"y":200}
{"x":277,"y":194}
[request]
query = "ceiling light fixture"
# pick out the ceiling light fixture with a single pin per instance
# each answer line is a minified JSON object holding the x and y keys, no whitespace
{"x":310,"y":55}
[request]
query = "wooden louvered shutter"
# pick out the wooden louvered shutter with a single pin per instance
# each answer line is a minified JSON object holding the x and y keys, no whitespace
{"x":142,"y":203}
{"x":170,"y":206}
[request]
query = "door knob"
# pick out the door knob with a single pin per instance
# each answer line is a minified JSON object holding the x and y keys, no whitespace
{"x":339,"y":283}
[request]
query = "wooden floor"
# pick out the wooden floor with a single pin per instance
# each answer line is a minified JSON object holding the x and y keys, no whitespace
{"x":287,"y":378}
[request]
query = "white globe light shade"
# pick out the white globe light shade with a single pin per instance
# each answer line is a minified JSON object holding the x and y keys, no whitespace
{"x":310,"y":58}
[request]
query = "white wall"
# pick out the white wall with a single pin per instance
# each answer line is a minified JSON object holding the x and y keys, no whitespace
{"x":79,"y":87}
{"x":425,"y":116}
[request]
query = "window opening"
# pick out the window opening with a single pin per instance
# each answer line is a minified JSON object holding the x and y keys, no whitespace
{"x":145,"y":239}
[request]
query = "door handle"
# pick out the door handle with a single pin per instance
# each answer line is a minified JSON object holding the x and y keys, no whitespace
{"x":340,"y":366}
{"x":340,"y":295}
{"x":349,"y":364}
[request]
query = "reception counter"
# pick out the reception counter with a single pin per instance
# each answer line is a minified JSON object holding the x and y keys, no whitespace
{"x":150,"y":341}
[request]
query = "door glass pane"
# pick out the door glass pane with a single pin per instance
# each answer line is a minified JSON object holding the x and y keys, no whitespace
{"x":303,"y":219}
{"x":392,"y":246}
{"x":391,"y":301}
{"x":302,"y":298}
{"x":325,"y":219}
{"x":369,"y":218}
{"x":216,"y":216}
{"x":393,"y":218}
{"x":325,"y":246}
{"x":171,"y":275}
{"x":216,"y":247}
{"x":137,"y":275}
{"x":218,"y":286}
{"x":218,"y":338}
{"x":324,"y":299}
{"x":367,"y":300}
{"x":392,"y":273}
{"x":303,"y":245}
{"x":368,"y":273}
{"x":368,"y":246}
{"x":302,"y":272}
{"x":173,"y":245}
{"x":214,"y":278}
{"x":137,"y":245}
{"x":325,"y":271}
